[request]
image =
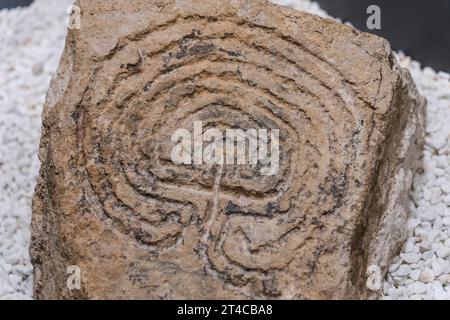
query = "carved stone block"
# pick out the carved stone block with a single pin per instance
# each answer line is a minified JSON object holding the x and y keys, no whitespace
{"x":111,"y":200}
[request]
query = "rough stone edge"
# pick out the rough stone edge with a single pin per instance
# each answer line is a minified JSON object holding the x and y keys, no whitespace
{"x":400,"y":160}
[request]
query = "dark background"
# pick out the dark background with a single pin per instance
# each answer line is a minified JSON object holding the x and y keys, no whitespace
{"x":14,"y":3}
{"x":420,"y":28}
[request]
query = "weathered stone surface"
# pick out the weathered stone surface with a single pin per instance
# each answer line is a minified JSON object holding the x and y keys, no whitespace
{"x":111,"y":201}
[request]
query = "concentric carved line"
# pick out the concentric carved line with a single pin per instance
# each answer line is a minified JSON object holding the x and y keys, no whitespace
{"x":236,"y":59}
{"x":142,"y":35}
{"x":146,"y":89}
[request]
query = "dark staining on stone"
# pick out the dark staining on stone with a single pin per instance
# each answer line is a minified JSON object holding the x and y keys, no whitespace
{"x":271,"y":208}
{"x":230,"y":53}
{"x":187,"y":49}
{"x":198,"y":49}
{"x":232,"y":209}
{"x":239,"y":73}
{"x":315,"y":262}
{"x":270,"y":287}
{"x":75,"y":115}
{"x":339,"y":187}
{"x":141,"y":236}
{"x":148,"y":86}
{"x":317,"y":224}
{"x":136,"y":275}
{"x":201,"y":49}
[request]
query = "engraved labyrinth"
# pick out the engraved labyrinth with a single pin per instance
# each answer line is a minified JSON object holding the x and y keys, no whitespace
{"x":226,"y":73}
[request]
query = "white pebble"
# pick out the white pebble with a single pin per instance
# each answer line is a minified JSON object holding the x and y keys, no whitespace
{"x":443,"y":252}
{"x":415,"y":274}
{"x":410,"y":257}
{"x":403,"y":270}
{"x":427,"y":275}
{"x":419,"y":288}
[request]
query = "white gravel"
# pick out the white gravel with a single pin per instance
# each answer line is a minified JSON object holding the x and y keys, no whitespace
{"x":31,"y":42}
{"x":422,"y":271}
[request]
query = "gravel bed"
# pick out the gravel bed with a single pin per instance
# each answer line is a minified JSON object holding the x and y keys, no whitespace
{"x":31,"y":42}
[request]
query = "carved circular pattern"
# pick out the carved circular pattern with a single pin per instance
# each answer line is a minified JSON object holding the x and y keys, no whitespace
{"x":228,"y":75}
